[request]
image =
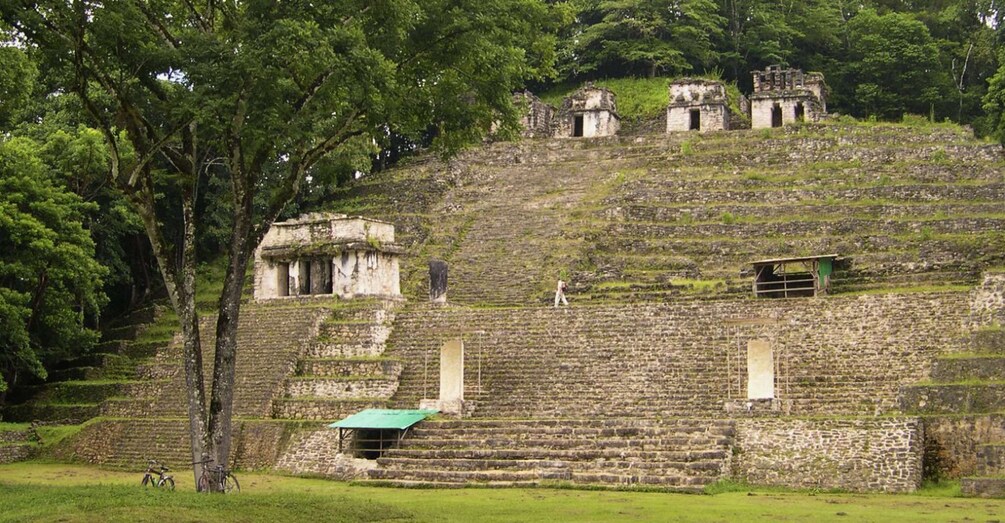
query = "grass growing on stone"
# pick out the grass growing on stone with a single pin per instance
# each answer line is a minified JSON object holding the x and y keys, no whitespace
{"x":49,"y":492}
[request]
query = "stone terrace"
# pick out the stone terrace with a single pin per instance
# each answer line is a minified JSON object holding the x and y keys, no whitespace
{"x":833,"y":356}
{"x":653,"y":217}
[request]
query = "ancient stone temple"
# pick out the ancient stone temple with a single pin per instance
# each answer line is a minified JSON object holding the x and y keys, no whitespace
{"x":697,"y":105}
{"x":537,"y":116}
{"x":327,"y":254}
{"x":588,"y":112}
{"x":785,"y":96}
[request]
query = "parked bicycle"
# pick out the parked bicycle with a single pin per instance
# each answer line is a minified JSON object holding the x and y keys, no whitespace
{"x":163,"y":479}
{"x":218,"y":473}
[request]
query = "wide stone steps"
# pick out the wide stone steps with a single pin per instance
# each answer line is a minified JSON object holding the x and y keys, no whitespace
{"x":681,"y":454}
{"x":969,"y":367}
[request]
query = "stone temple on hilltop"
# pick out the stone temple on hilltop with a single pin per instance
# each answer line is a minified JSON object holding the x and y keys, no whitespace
{"x":588,"y":112}
{"x":697,"y":105}
{"x":328,"y":254}
{"x":785,"y":96}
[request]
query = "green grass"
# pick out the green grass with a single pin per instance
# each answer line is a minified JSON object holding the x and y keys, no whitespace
{"x":50,"y":492}
{"x":13,"y":427}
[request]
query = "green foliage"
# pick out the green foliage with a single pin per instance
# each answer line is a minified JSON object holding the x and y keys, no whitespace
{"x":49,"y":281}
{"x":16,"y":83}
{"x":646,"y":37}
{"x":892,"y":66}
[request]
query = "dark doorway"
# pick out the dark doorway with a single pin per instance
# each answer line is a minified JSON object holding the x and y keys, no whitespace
{"x":577,"y":125}
{"x":800,"y":112}
{"x":776,"y":115}
{"x":371,"y":443}
{"x":305,"y":276}
{"x":283,"y":279}
{"x":695,"y":120}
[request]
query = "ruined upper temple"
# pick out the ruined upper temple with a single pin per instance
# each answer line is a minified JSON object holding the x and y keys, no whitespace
{"x":697,"y":105}
{"x":328,"y":254}
{"x":590,"y":111}
{"x":784,"y":96}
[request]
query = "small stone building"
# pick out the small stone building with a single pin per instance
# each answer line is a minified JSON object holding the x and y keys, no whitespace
{"x":536,"y":120}
{"x":697,"y":105}
{"x":588,"y":112}
{"x":785,"y":96}
{"x":328,"y":254}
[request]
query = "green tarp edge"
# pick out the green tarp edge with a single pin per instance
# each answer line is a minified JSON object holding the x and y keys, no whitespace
{"x":383,"y":419}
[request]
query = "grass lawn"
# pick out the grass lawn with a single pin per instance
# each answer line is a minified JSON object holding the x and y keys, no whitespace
{"x":71,"y":493}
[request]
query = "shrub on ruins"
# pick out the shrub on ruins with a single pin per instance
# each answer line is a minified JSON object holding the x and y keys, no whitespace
{"x":50,"y":283}
{"x":261,"y":96}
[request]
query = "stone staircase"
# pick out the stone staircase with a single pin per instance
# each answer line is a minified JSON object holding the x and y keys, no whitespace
{"x":344,"y":369}
{"x":674,"y":454}
{"x":657,"y":217}
{"x":76,"y":389}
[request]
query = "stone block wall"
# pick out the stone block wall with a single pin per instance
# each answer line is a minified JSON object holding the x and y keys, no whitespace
{"x":835,"y":355}
{"x":315,"y":452}
{"x":952,"y":442}
{"x":858,"y":455}
{"x":12,"y":453}
{"x":761,"y":105}
{"x":987,"y":302}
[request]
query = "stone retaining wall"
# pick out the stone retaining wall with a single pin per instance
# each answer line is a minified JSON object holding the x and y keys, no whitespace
{"x":12,"y":453}
{"x":315,"y":452}
{"x":951,"y":442}
{"x":853,"y":454}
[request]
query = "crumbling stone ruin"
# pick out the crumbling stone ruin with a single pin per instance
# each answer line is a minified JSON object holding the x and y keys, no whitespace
{"x":697,"y":105}
{"x":327,"y":254}
{"x":536,"y":121}
{"x":588,"y":112}
{"x":785,"y":96}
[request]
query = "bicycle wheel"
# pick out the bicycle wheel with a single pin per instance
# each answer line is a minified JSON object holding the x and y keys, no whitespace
{"x":167,"y":483}
{"x":147,"y":480}
{"x":203,"y":485}
{"x":230,"y":484}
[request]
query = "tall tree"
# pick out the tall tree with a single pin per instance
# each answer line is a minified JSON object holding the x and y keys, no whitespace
{"x":647,"y":37}
{"x":892,"y":66}
{"x":267,"y":90}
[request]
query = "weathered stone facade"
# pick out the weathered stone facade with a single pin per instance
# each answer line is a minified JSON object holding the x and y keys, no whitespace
{"x":13,"y":453}
{"x":697,"y":105}
{"x":588,"y":112}
{"x":786,"y":96}
{"x":987,"y":302}
{"x":537,"y":117}
{"x":862,"y":455}
{"x":327,"y":254}
{"x":840,"y":355}
{"x":315,"y":452}
{"x":952,"y":443}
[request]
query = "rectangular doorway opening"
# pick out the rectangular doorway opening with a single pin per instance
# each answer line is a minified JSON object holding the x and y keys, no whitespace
{"x":800,"y":113}
{"x":283,"y":279}
{"x":776,"y":115}
{"x":577,"y":126}
{"x":695,"y":120}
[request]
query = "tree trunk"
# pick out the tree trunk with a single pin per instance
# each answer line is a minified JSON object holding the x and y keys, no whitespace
{"x":221,"y":408}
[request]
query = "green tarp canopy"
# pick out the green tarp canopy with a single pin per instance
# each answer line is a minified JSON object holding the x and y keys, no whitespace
{"x":383,"y":419}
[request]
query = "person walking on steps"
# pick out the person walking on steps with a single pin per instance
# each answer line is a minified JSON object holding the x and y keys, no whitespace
{"x":560,"y":293}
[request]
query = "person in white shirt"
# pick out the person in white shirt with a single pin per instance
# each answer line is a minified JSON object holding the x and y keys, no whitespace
{"x":560,"y":293}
